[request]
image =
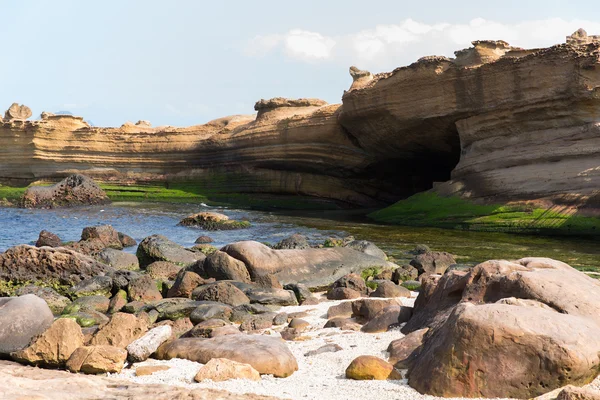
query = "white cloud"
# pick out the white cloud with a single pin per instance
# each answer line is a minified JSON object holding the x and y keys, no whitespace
{"x":384,"y":47}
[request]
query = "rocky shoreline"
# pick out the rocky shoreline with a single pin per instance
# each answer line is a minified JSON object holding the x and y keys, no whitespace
{"x":249,"y":318}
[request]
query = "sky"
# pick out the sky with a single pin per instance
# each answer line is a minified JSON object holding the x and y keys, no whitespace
{"x":186,"y":62}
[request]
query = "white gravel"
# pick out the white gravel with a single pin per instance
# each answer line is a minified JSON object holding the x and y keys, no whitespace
{"x":318,"y":377}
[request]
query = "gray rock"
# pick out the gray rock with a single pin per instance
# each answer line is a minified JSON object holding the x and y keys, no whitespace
{"x":210,"y":310}
{"x":121,"y":278}
{"x":55,"y":301}
{"x":97,"y":285}
{"x":21,"y":319}
{"x":118,"y":259}
{"x":159,"y":248}
{"x":433,"y":262}
{"x":222,"y":292}
{"x":364,"y":246}
{"x":328,"y":348}
{"x":140,"y":349}
{"x":296,"y":241}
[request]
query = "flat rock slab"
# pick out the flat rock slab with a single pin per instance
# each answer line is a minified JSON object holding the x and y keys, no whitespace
{"x":268,"y":355}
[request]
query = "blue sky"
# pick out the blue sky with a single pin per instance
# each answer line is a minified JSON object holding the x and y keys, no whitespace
{"x":185,"y":62}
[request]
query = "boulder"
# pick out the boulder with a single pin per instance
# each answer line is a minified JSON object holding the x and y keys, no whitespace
{"x":120,"y":331}
{"x":316,"y":268}
{"x":387,"y":318}
{"x":222,"y":369}
{"x":163,"y":270}
{"x":49,"y":239}
{"x":53,"y":347}
{"x":105,"y":234}
{"x":117,"y":302}
{"x":44,"y":264}
{"x":364,"y":246}
{"x":97,"y":360}
{"x":94,"y":286}
{"x":390,"y":289}
{"x":185,"y":284}
{"x":87,"y":319}
{"x":205,"y":328}
{"x":525,"y":327}
{"x":371,"y":368}
{"x":345,"y":324}
{"x":268,"y":281}
{"x":222,"y":292}
{"x":17,"y":111}
{"x":300,"y":290}
{"x":268,"y":355}
{"x":203,"y":240}
{"x":256,"y":322}
{"x":342,"y":293}
{"x":576,"y":393}
{"x":210,"y":310}
{"x":344,"y":309}
{"x":97,"y":303}
{"x":140,"y":349}
{"x":55,"y":301}
{"x":71,"y":191}
{"x":126,"y":240}
{"x":432,"y":262}
{"x":222,"y":266}
{"x":122,"y":277}
{"x":144,"y":288}
{"x":270,"y":296}
{"x":351,"y":281}
{"x":118,"y":259}
{"x":295,"y":241}
{"x":406,"y":348}
{"x":212,"y":221}
{"x":404,"y":273}
{"x":21,"y":319}
{"x":159,"y":248}
{"x":174,"y":308}
{"x":367,"y":309}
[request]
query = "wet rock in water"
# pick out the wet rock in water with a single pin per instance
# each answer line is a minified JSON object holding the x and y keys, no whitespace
{"x":389,"y":289}
{"x":268,"y":355}
{"x":222,"y":266}
{"x":546,"y":313}
{"x":404,"y":273}
{"x":351,"y":281}
{"x":406,"y":348}
{"x":21,"y":319}
{"x":342,"y":293}
{"x":328,"y":348}
{"x":185,"y":283}
{"x":95,"y":286}
{"x":119,"y":259}
{"x":55,"y":301}
{"x":316,"y":268}
{"x":432,"y":262}
{"x":54,"y":346}
{"x":98,"y":303}
{"x":71,"y":191}
{"x":140,"y":349}
{"x":44,"y":264}
{"x":221,"y":292}
{"x":163,"y":270}
{"x":211,"y":310}
{"x":222,"y":369}
{"x":371,"y":368}
{"x":126,"y":240}
{"x":159,"y":248}
{"x":204,"y":240}
{"x":17,"y":111}
{"x":120,"y":331}
{"x":364,"y":246}
{"x":295,"y":241}
{"x":97,"y":360}
{"x":388,"y":318}
{"x":212,"y":221}
{"x":49,"y":239}
{"x":144,"y":288}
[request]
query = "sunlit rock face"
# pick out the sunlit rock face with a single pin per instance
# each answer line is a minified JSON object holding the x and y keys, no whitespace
{"x":496,"y":122}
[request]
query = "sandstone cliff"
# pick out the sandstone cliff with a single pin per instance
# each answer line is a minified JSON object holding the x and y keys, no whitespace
{"x":497,"y":122}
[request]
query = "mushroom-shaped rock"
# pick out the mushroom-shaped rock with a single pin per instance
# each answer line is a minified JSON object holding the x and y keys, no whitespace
{"x":359,"y":77}
{"x":17,"y":111}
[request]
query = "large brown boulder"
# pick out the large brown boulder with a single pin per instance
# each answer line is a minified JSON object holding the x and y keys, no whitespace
{"x":222,"y":369}
{"x":506,"y":329}
{"x":71,"y":191}
{"x":221,"y":292}
{"x":120,"y":331}
{"x":26,"y":263}
{"x":97,"y":359}
{"x":268,"y":355}
{"x":371,"y":368}
{"x":54,"y":346}
{"x":432,"y":262}
{"x":222,"y":266}
{"x":312,"y":267}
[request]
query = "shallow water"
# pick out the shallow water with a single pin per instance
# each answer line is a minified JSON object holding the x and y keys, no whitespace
{"x":18,"y":226}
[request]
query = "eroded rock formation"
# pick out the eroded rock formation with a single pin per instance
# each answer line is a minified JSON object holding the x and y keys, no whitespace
{"x":516,"y":123}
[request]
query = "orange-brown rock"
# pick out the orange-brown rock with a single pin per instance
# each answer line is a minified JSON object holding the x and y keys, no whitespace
{"x":222,"y":369}
{"x":120,"y":331}
{"x":97,"y":359}
{"x":371,"y":368}
{"x":150,"y":369}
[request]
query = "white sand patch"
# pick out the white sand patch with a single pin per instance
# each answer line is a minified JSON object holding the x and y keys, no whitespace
{"x":318,"y":377}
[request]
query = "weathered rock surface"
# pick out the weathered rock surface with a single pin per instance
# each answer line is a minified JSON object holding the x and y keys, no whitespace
{"x":119,"y":259}
{"x":22,"y":382}
{"x":222,"y":266}
{"x":268,"y":355}
{"x":49,"y":239}
{"x":21,"y":319}
{"x":159,"y":248}
{"x":97,"y":359}
{"x":312,"y":267}
{"x":28,"y":263}
{"x":222,"y":369}
{"x":16,"y":111}
{"x":526,"y":327}
{"x":53,"y":347}
{"x":71,"y":191}
{"x":140,"y":349}
{"x":120,"y":331}
{"x":371,"y":368}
